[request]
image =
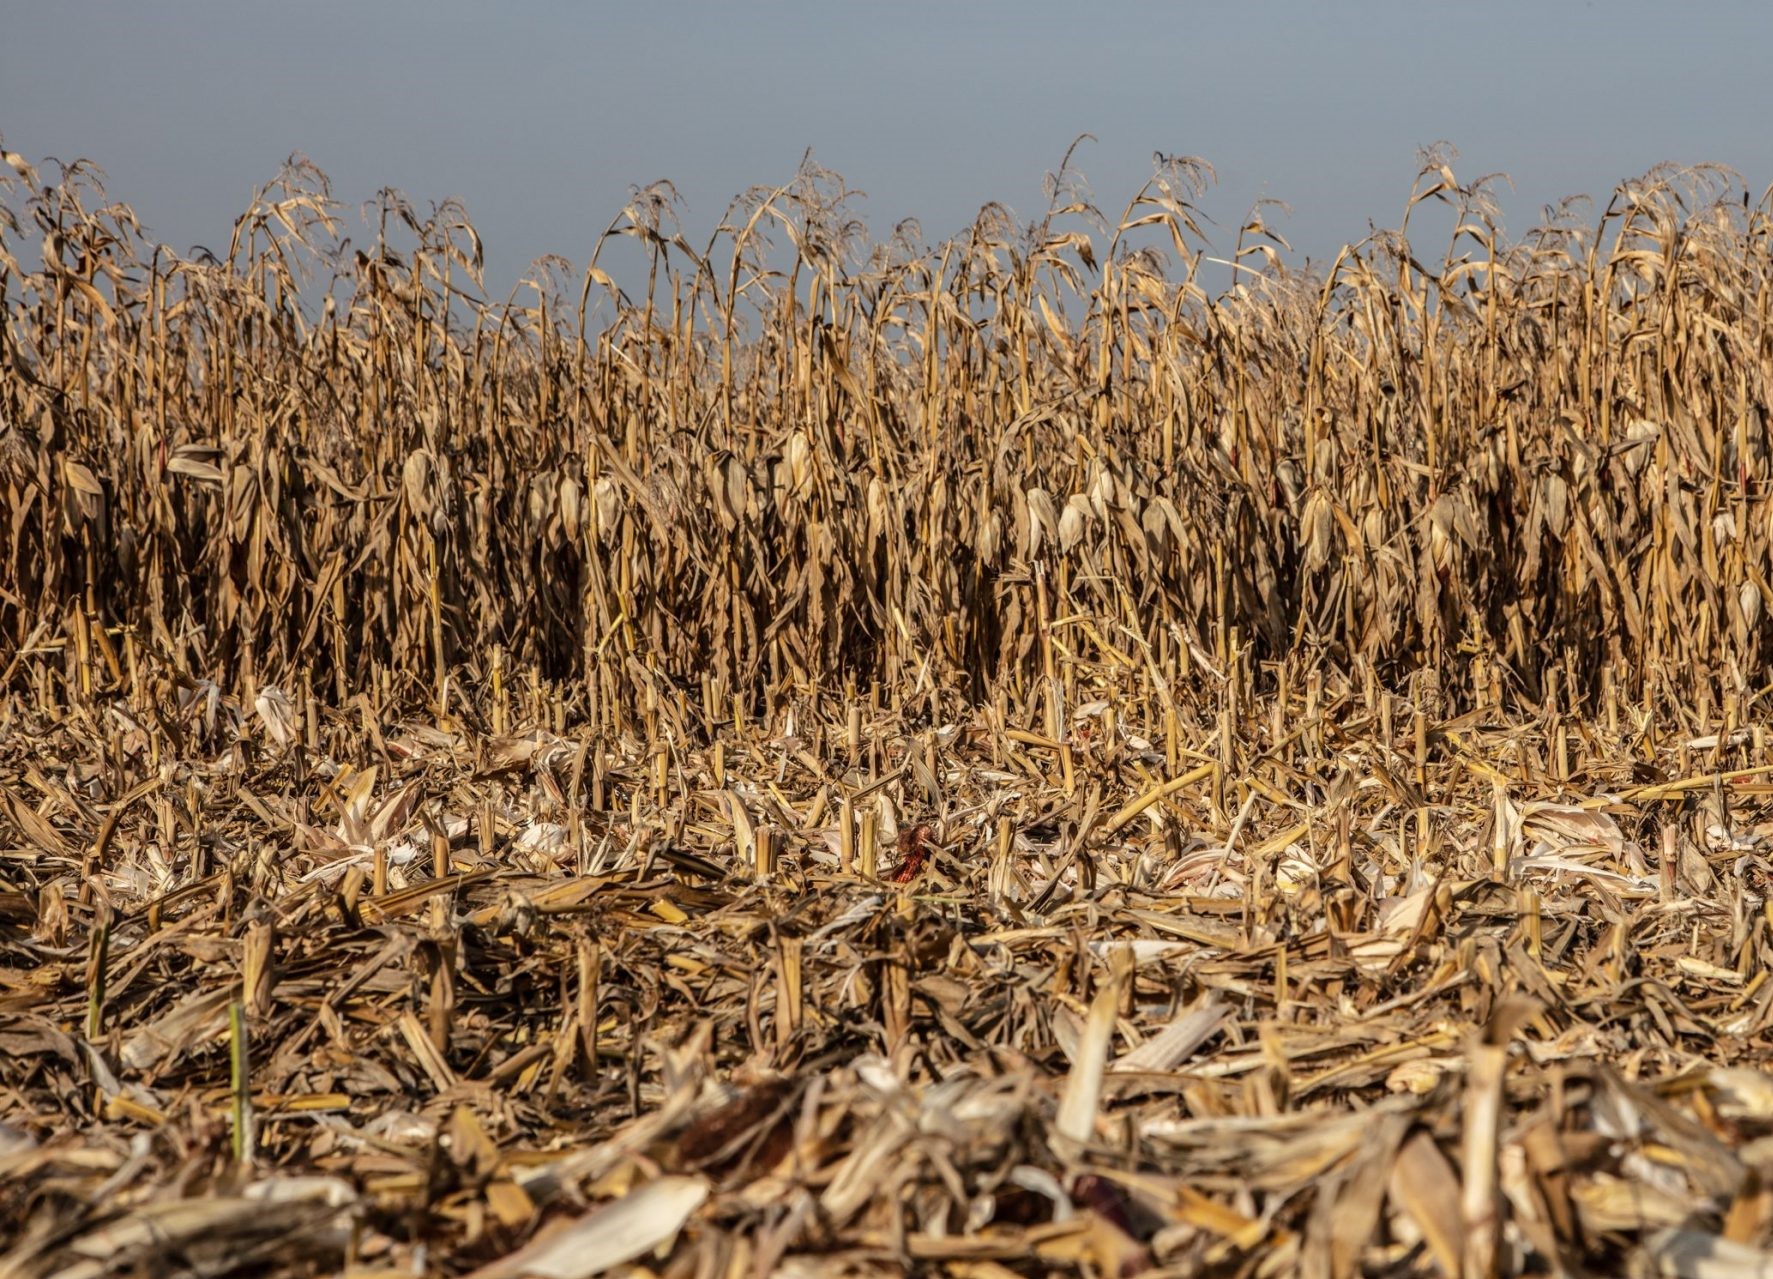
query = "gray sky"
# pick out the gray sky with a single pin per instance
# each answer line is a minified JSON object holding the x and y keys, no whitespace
{"x":540,"y":116}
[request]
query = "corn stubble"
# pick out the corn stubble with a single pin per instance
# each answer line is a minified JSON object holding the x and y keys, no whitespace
{"x":863,"y":758}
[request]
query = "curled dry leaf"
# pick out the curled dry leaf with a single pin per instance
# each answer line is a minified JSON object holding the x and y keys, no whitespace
{"x":619,"y":1232}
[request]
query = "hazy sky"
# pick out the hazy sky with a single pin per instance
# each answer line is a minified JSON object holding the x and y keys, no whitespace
{"x":541,"y":116}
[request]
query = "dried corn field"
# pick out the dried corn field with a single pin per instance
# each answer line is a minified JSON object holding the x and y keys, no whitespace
{"x":859,"y":759}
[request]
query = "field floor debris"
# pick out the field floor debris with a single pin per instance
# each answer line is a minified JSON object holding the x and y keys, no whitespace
{"x":1348,"y":990}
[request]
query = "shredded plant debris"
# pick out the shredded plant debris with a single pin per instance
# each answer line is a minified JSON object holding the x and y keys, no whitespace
{"x":1342,"y":1004}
